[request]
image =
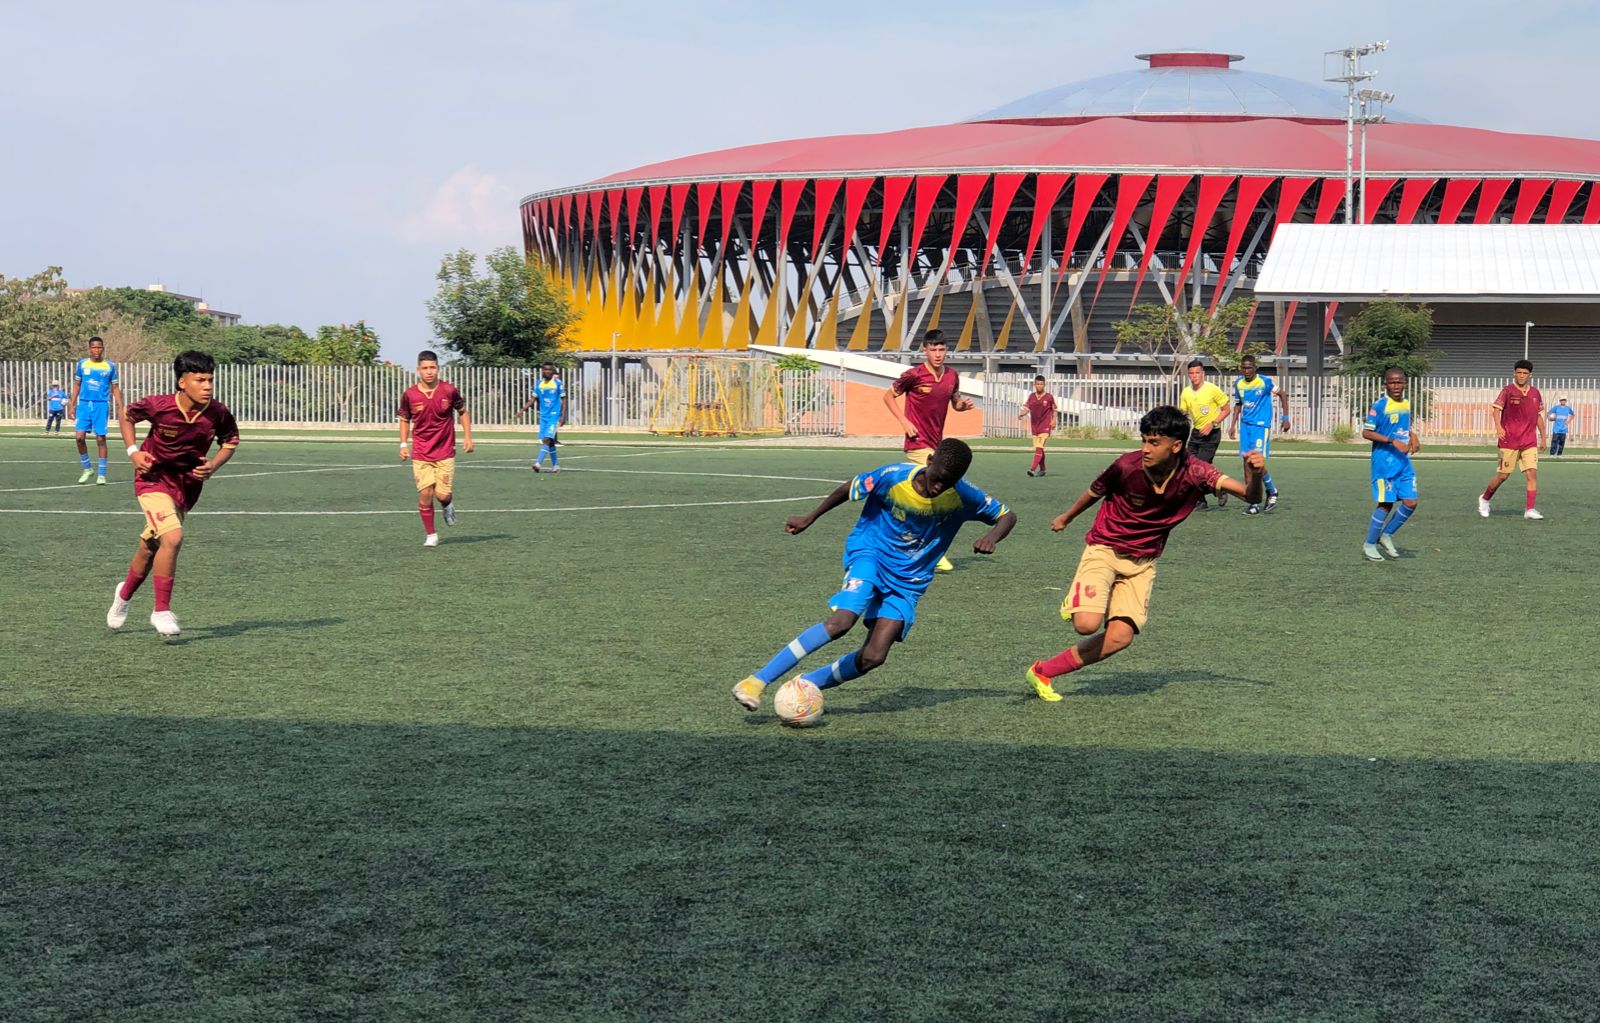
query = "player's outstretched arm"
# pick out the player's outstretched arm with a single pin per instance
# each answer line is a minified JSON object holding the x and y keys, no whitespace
{"x":800,"y":523}
{"x":1084,"y":502}
{"x":985,"y":543}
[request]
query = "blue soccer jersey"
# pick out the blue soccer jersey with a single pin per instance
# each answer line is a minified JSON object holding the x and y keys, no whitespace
{"x":1254,"y":398}
{"x":551,"y":393}
{"x":905,"y":533}
{"x":1559,"y":416}
{"x":94,"y":379}
{"x":1391,"y":419}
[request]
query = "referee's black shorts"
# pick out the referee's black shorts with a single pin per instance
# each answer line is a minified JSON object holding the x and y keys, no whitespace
{"x":1204,"y":446}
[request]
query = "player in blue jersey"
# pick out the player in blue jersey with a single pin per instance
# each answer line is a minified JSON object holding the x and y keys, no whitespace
{"x":550,"y":394}
{"x":1394,"y":441}
{"x":55,"y":401}
{"x":96,"y":399}
{"x":910,"y":517}
{"x":1560,"y":421}
{"x":1252,"y":398}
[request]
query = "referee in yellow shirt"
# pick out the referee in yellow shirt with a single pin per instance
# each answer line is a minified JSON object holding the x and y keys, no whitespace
{"x":1207,"y":406}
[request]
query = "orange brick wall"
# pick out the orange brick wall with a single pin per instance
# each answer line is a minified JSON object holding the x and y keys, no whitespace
{"x":865,"y":416}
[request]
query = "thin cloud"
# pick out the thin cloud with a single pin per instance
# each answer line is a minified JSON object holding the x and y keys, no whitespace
{"x":469,"y":208}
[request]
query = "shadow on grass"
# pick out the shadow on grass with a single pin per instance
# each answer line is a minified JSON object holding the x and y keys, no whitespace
{"x":890,"y":701}
{"x":1140,"y":683}
{"x":451,"y":540}
{"x":217,"y":870}
{"x":231,"y":629}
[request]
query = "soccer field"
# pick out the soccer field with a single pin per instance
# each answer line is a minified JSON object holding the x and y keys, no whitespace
{"x":504,"y":778}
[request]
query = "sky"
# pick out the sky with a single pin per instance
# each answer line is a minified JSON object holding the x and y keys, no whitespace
{"x":310,"y":163}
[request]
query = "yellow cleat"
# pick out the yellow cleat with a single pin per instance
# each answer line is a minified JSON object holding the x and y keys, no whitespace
{"x":1042,"y":684}
{"x":944,"y":566}
{"x":747,"y":694}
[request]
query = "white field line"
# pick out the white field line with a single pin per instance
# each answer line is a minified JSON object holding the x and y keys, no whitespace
{"x":413,"y":511}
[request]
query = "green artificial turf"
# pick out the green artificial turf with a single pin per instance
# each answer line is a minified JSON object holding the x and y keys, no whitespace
{"x":504,"y":779}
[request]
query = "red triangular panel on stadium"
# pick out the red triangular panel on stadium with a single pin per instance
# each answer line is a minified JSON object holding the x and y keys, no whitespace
{"x":789,"y":192}
{"x":856,"y":191}
{"x":561,"y":219}
{"x":680,"y":202}
{"x":1168,"y":188}
{"x":1207,"y":199}
{"x":614,"y":204}
{"x":654,"y":196}
{"x":968,"y":188}
{"x":1591,"y":211}
{"x":1561,"y":197}
{"x":727,"y":204}
{"x":1456,"y":193}
{"x":1130,"y":190}
{"x":760,"y":198}
{"x":1494,"y":189}
{"x":1529,"y":193}
{"x":1377,"y":190}
{"x":1005,"y":189}
{"x":633,"y":196}
{"x":1084,"y":189}
{"x":894,"y":193}
{"x":1046,"y":189}
{"x":1245,"y":202}
{"x":1411,"y":195}
{"x":1290,"y":193}
{"x":705,"y":196}
{"x":827,"y":191}
{"x":928,"y":188}
{"x":1329,"y":201}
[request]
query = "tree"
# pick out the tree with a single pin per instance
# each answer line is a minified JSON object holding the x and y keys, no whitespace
{"x":256,"y":343}
{"x":40,"y":320}
{"x":353,"y":344}
{"x":510,"y":316}
{"x":1388,"y":333}
{"x":1173,"y":337}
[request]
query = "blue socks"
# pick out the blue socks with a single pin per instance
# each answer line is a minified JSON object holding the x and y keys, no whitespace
{"x":85,"y":460}
{"x":1380,"y":515}
{"x":842,"y":670}
{"x":1401,"y":514}
{"x":545,"y":449}
{"x":553,"y":459}
{"x":1266,"y":482}
{"x":814,"y":638}
{"x":102,"y":467}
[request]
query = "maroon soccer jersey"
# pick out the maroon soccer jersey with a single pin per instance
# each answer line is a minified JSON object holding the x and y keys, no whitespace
{"x":433,"y":420}
{"x":1041,"y":413}
{"x":927,"y":403}
{"x":1134,"y":519}
{"x":178,"y":443}
{"x":1519,"y":415}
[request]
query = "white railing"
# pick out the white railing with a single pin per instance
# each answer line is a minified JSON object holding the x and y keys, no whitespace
{"x":615,"y":393}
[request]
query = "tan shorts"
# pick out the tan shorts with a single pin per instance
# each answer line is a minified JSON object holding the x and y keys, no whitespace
{"x":919,"y":456}
{"x":1039,"y":439}
{"x":1110,"y":585}
{"x":1518,"y":459}
{"x":440,"y":475}
{"x":162,"y":515}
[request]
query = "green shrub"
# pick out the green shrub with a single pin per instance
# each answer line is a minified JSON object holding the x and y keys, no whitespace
{"x":1344,"y":433}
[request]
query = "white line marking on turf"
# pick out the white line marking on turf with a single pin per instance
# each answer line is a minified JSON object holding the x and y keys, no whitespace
{"x":215,"y":479}
{"x":413,"y":511}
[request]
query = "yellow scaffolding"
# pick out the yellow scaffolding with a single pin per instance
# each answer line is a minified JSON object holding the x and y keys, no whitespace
{"x":710,"y":396}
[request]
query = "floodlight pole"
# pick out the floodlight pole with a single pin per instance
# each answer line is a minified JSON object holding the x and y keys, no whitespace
{"x":1350,"y":74}
{"x":1367,"y":97}
{"x":1526,"y":327}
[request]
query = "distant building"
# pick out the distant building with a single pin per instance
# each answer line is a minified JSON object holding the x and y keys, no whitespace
{"x":226,"y":319}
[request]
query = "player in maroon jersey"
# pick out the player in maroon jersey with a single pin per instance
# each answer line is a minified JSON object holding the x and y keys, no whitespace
{"x":427,"y":413}
{"x":1518,"y":413}
{"x":1040,"y":411}
{"x":1146,"y":493}
{"x":170,"y":468}
{"x":931,"y":391}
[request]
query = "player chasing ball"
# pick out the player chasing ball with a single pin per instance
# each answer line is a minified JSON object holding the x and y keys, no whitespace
{"x":96,"y":397}
{"x":1388,"y":426}
{"x":1145,"y":493}
{"x":1252,"y":397}
{"x":931,"y":391}
{"x":1518,"y":414}
{"x":170,"y":468}
{"x":909,"y":518}
{"x":1040,"y":412}
{"x":427,"y":413}
{"x":550,"y":394}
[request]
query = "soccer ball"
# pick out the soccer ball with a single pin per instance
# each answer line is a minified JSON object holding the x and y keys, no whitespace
{"x":798,"y":703}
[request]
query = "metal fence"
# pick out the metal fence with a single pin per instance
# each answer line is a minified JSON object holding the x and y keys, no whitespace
{"x":611,"y":393}
{"x":1446,"y":408}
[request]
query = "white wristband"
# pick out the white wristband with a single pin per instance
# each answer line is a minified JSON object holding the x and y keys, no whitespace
{"x":131,"y":449}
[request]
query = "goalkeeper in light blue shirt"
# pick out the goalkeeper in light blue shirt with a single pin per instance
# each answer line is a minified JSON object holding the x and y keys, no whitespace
{"x":1394,"y":480}
{"x":1560,"y":421}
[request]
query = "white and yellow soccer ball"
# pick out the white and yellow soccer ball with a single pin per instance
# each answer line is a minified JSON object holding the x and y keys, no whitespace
{"x":798,"y":703}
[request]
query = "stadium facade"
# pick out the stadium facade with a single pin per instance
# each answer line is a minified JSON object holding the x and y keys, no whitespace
{"x":1031,"y":230}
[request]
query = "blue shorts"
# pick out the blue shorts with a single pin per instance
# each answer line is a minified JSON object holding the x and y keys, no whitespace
{"x":548,"y":427}
{"x":1402,"y":486}
{"x":1255,"y":438}
{"x":864,"y":593}
{"x":92,"y":417}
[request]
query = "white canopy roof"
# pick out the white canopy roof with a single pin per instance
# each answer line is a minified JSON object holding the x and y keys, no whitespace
{"x":1433,"y":263}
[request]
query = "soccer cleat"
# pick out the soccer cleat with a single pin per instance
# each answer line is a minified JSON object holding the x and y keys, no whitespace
{"x":747,"y":693}
{"x":1042,"y":684}
{"x":88,"y":474}
{"x":1372,"y":552}
{"x":1272,"y":501}
{"x":944,"y":566}
{"x":165,"y":622}
{"x":555,"y":468}
{"x":1254,"y":509}
{"x":1386,"y":542}
{"x":100,"y":481}
{"x":118,"y":615}
{"x":1032,"y":472}
{"x":450,"y":514}
{"x":1532,"y":513}
{"x":1039,"y":473}
{"x":432,"y":540}
{"x":1222,"y":500}
{"x":1483,"y":506}
{"x":534,"y":466}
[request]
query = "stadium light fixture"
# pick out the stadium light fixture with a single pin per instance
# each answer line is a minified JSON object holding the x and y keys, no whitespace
{"x":1526,"y":327}
{"x":1369,"y":98}
{"x":1350,"y":75}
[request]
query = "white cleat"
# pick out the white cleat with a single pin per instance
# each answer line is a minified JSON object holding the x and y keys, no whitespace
{"x":1372,"y":552}
{"x":432,"y":540}
{"x":117,"y":617}
{"x":555,"y":468}
{"x":1483,"y":506}
{"x":1532,"y":513}
{"x":165,"y":622}
{"x":1386,"y":542}
{"x":450,"y":514}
